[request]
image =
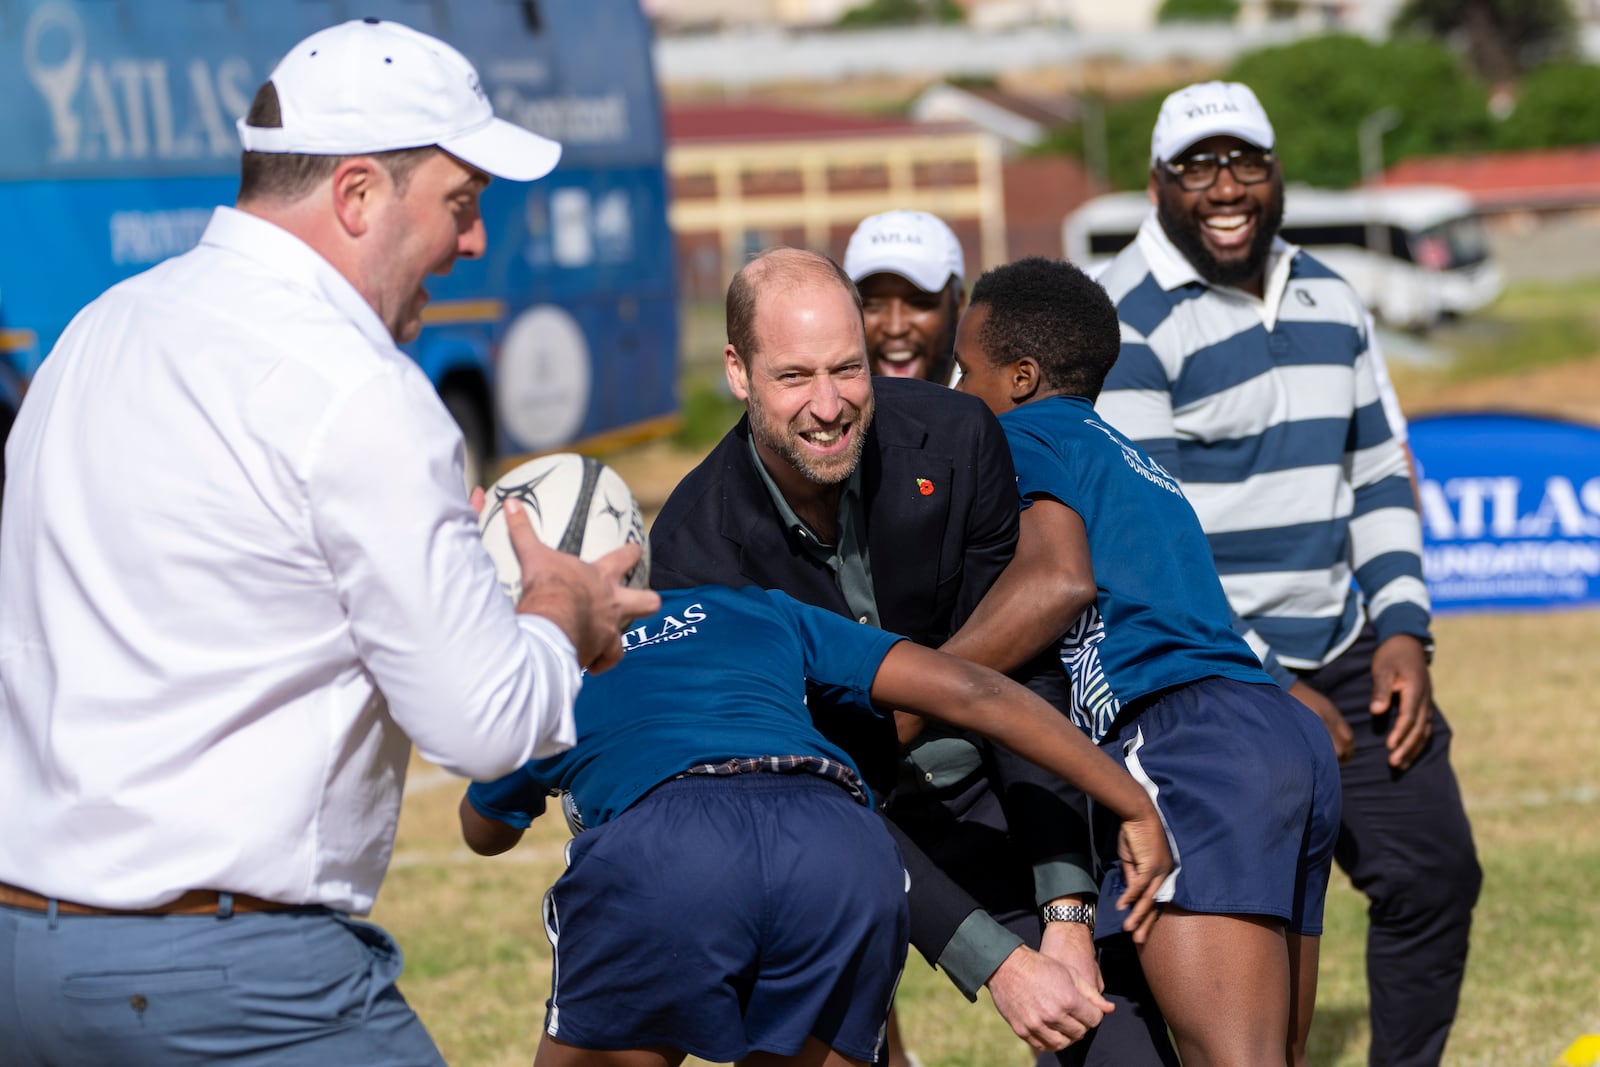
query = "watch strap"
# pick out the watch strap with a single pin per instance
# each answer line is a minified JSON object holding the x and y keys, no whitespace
{"x":1068,"y":913}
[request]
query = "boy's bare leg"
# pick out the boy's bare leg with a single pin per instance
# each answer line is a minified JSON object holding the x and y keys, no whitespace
{"x":1223,"y":983}
{"x":1304,"y":952}
{"x":814,"y":1054}
{"x":553,"y":1052}
{"x":895,"y":1048}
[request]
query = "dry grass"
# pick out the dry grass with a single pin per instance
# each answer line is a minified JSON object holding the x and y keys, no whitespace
{"x":1519,"y":691}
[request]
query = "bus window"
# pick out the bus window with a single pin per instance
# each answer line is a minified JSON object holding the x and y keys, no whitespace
{"x":1458,"y":243}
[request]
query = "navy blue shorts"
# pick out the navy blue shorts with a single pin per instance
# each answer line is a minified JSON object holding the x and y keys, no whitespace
{"x":1246,"y":781}
{"x":728,"y":915}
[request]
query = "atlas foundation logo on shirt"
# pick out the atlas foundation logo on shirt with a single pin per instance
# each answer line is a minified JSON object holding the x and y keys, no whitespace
{"x":1143,"y":465}
{"x":664,"y":628}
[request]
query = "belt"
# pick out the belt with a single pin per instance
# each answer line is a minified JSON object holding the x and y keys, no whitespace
{"x":194,"y":902}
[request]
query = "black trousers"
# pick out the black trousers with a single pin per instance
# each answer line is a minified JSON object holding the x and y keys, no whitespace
{"x":1135,"y":1034}
{"x":1406,"y":844}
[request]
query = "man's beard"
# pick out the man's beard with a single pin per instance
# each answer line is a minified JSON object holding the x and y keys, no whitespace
{"x":1183,"y":229}
{"x":942,"y":361}
{"x":937,"y":356}
{"x":784,"y":441}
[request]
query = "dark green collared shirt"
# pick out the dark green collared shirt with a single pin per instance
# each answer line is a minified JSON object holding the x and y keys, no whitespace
{"x":847,"y":558}
{"x":936,"y":763}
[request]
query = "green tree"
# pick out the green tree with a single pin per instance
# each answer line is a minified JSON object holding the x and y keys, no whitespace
{"x":1556,"y":105}
{"x":1198,"y":11}
{"x":1501,"y":38}
{"x":901,"y":12}
{"x":1127,"y":125}
{"x":1317,"y":92}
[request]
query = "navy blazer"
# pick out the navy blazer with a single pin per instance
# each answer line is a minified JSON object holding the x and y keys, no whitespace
{"x":941,"y":514}
{"x":941,"y":523}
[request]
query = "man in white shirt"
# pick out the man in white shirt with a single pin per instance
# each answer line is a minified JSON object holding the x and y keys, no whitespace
{"x":238,"y":577}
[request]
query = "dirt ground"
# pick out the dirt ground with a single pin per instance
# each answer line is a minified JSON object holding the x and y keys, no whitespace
{"x":1569,"y":391}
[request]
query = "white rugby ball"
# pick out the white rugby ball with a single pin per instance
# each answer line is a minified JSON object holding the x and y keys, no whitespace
{"x":575,"y":503}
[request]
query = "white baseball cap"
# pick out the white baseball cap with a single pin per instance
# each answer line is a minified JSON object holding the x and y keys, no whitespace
{"x":1208,"y":109}
{"x":913,"y":244}
{"x":372,"y":86}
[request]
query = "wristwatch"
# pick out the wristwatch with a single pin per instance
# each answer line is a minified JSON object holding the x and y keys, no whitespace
{"x":1068,"y":913}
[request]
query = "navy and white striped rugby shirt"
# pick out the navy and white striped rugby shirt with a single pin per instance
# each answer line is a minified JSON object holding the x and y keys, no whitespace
{"x":1268,"y":413}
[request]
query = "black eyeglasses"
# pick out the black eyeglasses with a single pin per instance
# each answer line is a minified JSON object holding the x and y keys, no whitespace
{"x":1199,"y":171}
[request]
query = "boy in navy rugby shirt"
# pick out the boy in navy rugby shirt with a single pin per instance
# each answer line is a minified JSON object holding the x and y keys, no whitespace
{"x":733,"y":895}
{"x":1112,"y":566}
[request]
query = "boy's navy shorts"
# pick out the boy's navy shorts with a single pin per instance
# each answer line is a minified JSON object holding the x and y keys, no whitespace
{"x":728,"y":915}
{"x":1246,"y":781}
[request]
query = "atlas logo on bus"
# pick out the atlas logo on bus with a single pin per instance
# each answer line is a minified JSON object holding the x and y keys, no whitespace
{"x":130,"y":108}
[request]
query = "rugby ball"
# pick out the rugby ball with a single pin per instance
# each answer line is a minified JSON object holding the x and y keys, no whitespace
{"x":575,"y":503}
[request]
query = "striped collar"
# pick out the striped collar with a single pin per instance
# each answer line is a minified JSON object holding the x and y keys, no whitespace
{"x":1171,"y":269}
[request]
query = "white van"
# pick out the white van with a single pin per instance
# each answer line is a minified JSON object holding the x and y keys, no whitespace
{"x":1415,"y":253}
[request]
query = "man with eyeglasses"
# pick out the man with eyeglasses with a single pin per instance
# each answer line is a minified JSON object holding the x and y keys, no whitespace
{"x":1247,"y":372}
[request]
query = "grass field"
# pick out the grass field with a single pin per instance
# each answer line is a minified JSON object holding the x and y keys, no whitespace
{"x":1519,"y":691}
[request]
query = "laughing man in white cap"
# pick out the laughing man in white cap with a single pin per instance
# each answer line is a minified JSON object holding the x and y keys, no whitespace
{"x":1247,"y":371}
{"x":239,"y":577}
{"x":908,"y":266}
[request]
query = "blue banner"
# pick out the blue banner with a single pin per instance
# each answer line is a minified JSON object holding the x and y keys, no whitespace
{"x":1510,"y":511}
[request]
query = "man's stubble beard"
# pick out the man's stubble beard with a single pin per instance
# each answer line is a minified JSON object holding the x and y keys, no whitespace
{"x":942,"y":362}
{"x":785,"y":443}
{"x":1183,"y":229}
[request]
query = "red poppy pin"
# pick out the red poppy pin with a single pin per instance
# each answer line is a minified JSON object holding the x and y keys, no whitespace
{"x":924,"y":487}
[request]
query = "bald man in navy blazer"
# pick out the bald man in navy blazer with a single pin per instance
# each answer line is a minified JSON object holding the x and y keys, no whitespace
{"x":892,"y":501}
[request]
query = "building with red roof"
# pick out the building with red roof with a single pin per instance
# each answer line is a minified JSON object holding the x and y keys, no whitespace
{"x":1542,"y":180}
{"x":748,"y":176}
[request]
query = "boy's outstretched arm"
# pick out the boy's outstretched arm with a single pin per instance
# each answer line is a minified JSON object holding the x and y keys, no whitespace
{"x":979,"y":699}
{"x":1044,"y":588}
{"x":486,"y":836}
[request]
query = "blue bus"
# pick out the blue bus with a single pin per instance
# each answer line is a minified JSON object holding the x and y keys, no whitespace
{"x":118,"y":135}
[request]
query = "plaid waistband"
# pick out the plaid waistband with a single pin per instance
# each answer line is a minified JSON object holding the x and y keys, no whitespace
{"x":821,"y":766}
